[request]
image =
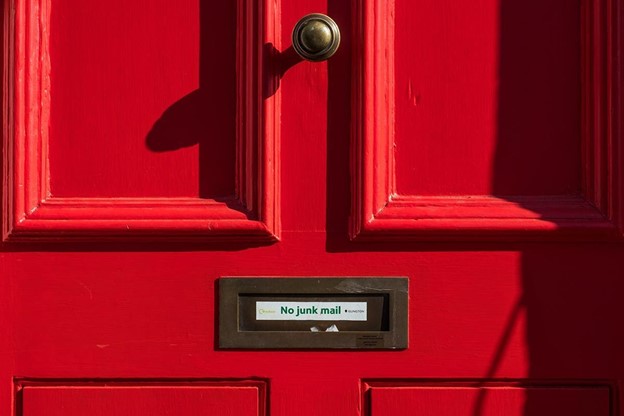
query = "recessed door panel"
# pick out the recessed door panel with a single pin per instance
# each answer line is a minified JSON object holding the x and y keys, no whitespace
{"x":483,"y":105}
{"x":467,"y":127}
{"x":490,"y":401}
{"x":129,"y":102}
{"x":117,"y":399}
{"x":123,"y":126}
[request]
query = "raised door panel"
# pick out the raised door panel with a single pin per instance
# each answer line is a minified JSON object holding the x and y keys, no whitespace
{"x":116,"y":398}
{"x":469,"y":127}
{"x":128,"y":121}
{"x":507,"y":400}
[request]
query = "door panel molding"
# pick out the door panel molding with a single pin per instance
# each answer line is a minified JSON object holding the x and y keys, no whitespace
{"x":399,"y":397}
{"x":32,"y":213}
{"x":98,"y":396}
{"x":379,"y":213}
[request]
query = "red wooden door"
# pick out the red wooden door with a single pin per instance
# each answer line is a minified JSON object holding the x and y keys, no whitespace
{"x":152,"y":147}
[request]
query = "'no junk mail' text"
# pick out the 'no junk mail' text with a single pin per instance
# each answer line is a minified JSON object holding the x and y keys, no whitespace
{"x":311,"y":311}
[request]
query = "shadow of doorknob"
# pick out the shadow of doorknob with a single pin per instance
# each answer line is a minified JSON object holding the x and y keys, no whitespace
{"x":316,"y":37}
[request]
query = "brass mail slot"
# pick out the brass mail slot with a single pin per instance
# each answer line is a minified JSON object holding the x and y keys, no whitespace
{"x":313,"y":313}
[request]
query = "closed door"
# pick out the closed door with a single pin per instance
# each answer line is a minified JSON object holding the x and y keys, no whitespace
{"x":152,"y":148}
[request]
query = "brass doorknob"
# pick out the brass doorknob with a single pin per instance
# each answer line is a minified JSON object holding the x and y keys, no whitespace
{"x":316,"y":37}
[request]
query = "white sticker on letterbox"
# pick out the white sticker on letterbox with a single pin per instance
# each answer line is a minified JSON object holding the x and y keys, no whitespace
{"x":311,"y":311}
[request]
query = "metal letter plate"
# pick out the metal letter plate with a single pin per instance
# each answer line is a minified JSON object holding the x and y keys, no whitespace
{"x":313,"y":313}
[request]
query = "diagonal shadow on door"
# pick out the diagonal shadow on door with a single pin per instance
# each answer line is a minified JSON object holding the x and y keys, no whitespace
{"x":570,"y":292}
{"x":206,"y":117}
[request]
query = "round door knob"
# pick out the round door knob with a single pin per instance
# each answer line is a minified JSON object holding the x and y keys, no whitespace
{"x":316,"y":37}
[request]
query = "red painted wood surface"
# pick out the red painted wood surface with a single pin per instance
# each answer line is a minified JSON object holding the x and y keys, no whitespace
{"x":491,"y":96}
{"x":243,"y":206}
{"x":379,"y":110}
{"x":489,"y":401}
{"x":111,"y":400}
{"x":122,"y":138}
{"x":113,"y":277}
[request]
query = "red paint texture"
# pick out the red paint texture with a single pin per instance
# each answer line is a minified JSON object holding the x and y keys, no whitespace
{"x":150,"y":148}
